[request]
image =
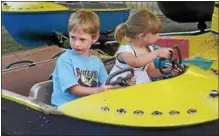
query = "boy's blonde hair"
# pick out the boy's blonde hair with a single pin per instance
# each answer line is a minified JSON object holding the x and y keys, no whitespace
{"x":138,"y":22}
{"x":86,"y":20}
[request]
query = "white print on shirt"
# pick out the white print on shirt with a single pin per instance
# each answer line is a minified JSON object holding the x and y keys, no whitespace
{"x":87,"y":78}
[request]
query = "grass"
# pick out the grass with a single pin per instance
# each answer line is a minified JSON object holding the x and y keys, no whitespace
{"x":9,"y":45}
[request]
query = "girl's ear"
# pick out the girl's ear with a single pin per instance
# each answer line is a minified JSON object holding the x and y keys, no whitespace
{"x":141,"y":35}
{"x":95,"y":37}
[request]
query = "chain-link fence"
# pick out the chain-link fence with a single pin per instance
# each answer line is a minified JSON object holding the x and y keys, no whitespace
{"x":151,"y":6}
{"x":168,"y":25}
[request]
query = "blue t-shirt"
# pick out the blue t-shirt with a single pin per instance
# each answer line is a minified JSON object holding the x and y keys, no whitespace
{"x":72,"y":69}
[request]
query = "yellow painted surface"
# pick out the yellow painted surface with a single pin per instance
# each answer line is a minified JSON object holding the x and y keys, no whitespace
{"x":188,"y":91}
{"x":20,"y":101}
{"x":215,"y":18}
{"x":46,"y":6}
{"x":203,"y":45}
{"x":32,"y":7}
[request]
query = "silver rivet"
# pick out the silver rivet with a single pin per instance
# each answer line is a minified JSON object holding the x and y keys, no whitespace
{"x":191,"y":111}
{"x":174,"y":112}
{"x":104,"y":108}
{"x":214,"y":93}
{"x":121,"y":111}
{"x":138,"y":112}
{"x":157,"y":113}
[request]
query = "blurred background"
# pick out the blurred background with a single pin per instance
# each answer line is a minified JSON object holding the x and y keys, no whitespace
{"x":9,"y":45}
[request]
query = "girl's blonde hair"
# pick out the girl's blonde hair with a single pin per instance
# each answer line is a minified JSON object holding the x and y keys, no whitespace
{"x":138,"y":22}
{"x":86,"y":20}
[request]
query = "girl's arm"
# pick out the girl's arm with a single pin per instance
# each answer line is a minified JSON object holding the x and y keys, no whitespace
{"x":138,"y":61}
{"x":152,"y":71}
{"x":144,"y":59}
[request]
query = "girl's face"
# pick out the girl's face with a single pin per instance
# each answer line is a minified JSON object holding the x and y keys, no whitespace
{"x":81,"y":42}
{"x":150,"y":38}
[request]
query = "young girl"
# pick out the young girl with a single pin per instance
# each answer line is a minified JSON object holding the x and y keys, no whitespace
{"x":139,"y":32}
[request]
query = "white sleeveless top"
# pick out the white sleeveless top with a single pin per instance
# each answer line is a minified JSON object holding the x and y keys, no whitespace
{"x":140,"y":73}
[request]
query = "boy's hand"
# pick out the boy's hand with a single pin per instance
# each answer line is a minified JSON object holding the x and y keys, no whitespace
{"x":105,"y":87}
{"x":163,"y":52}
{"x":132,"y":81}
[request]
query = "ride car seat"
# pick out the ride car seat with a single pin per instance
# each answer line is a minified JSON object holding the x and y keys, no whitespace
{"x":42,"y":92}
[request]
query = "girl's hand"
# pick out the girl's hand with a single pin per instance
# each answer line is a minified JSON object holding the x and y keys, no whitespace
{"x":174,"y":72}
{"x":163,"y":52}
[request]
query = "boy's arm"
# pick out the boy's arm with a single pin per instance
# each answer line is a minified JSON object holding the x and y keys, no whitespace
{"x":69,"y":82}
{"x":102,"y":76}
{"x":84,"y":91}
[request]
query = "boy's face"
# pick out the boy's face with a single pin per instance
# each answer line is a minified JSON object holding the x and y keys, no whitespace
{"x":81,"y":42}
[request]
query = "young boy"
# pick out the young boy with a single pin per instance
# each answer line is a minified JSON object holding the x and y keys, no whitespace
{"x":77,"y":73}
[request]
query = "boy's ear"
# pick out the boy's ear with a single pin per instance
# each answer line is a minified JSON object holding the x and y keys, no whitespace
{"x":95,"y":37}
